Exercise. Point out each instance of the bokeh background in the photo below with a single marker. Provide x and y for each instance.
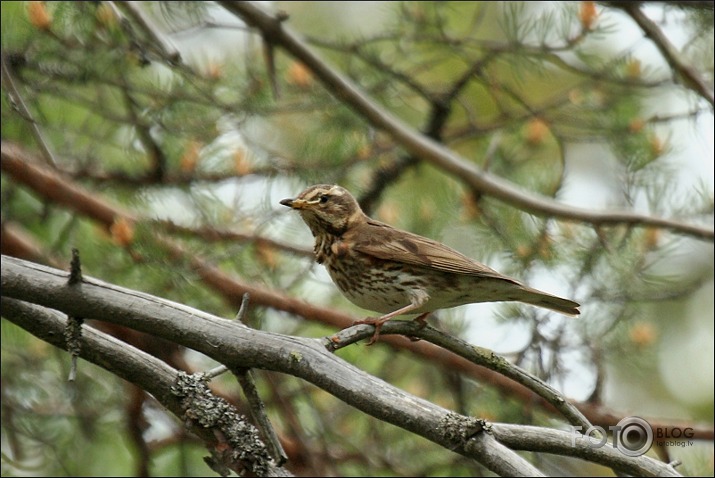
(189, 121)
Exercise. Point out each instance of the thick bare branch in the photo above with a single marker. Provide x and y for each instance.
(537, 439)
(151, 375)
(238, 346)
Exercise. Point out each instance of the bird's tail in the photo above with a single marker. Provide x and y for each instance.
(542, 299)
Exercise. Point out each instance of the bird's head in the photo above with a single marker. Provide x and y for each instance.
(327, 208)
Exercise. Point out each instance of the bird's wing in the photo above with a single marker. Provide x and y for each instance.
(385, 242)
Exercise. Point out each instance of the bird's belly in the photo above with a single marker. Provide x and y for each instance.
(392, 285)
(382, 289)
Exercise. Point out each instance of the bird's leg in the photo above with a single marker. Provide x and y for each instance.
(418, 299)
(422, 321)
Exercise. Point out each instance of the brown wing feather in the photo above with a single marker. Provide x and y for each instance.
(385, 242)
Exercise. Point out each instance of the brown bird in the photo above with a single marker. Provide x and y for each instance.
(395, 272)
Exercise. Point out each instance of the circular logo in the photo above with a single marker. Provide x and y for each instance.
(634, 435)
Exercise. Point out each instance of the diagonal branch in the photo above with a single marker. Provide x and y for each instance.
(431, 151)
(19, 104)
(167, 50)
(691, 77)
(477, 355)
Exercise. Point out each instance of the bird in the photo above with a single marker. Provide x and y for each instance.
(394, 272)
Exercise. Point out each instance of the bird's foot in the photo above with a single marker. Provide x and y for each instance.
(422, 321)
(378, 322)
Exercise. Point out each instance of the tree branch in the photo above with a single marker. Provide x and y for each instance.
(19, 104)
(538, 439)
(239, 347)
(23, 168)
(690, 76)
(428, 150)
(156, 377)
(477, 355)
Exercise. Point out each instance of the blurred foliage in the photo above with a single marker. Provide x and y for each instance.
(547, 96)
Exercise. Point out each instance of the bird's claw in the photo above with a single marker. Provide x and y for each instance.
(377, 322)
(422, 320)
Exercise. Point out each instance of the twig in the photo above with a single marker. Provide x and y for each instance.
(167, 49)
(477, 355)
(73, 331)
(244, 307)
(215, 372)
(19, 104)
(691, 77)
(258, 412)
(212, 234)
(255, 404)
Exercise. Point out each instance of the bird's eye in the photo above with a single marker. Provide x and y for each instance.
(324, 198)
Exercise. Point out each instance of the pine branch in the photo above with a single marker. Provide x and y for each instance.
(430, 151)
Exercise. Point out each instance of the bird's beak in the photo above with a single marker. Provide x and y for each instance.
(294, 203)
